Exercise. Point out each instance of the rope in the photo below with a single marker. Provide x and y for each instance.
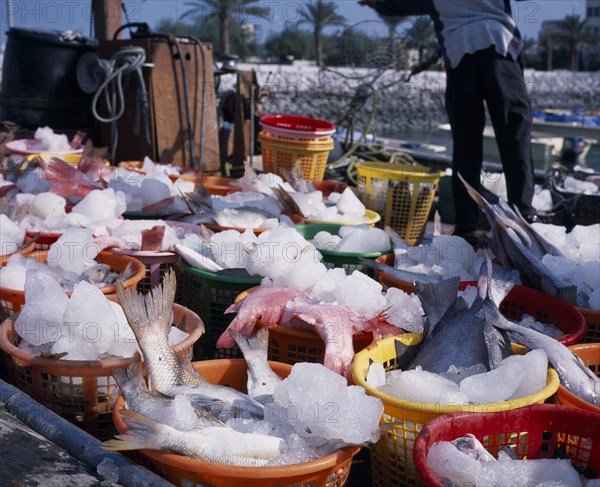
(124, 62)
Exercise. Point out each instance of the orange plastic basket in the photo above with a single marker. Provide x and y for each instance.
(592, 319)
(28, 247)
(279, 154)
(12, 300)
(80, 391)
(534, 432)
(329, 471)
(590, 354)
(521, 300)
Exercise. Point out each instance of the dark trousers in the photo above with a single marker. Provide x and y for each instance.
(486, 76)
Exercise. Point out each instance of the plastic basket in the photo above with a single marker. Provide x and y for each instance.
(156, 265)
(587, 206)
(519, 301)
(219, 186)
(209, 295)
(403, 193)
(75, 388)
(329, 471)
(349, 261)
(296, 220)
(12, 300)
(371, 219)
(592, 320)
(590, 354)
(28, 247)
(280, 154)
(534, 432)
(329, 186)
(391, 457)
(45, 240)
(294, 127)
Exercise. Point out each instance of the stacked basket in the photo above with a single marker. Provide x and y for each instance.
(289, 139)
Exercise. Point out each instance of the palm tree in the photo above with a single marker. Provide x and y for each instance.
(223, 10)
(392, 24)
(529, 44)
(421, 36)
(573, 32)
(320, 15)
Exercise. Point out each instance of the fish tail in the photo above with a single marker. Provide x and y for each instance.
(142, 432)
(152, 310)
(254, 345)
(130, 374)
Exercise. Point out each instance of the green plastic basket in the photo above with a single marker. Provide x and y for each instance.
(209, 295)
(349, 261)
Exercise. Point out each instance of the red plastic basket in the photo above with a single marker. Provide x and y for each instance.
(294, 127)
(535, 432)
(45, 240)
(521, 300)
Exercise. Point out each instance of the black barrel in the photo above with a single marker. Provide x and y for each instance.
(39, 82)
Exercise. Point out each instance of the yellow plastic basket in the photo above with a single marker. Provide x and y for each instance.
(391, 458)
(402, 193)
(279, 154)
(371, 219)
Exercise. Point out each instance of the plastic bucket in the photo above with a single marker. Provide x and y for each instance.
(39, 82)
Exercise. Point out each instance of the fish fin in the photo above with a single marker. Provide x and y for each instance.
(183, 356)
(153, 309)
(287, 202)
(436, 298)
(498, 344)
(123, 375)
(484, 283)
(142, 432)
(502, 282)
(234, 308)
(490, 312)
(259, 342)
(405, 354)
(397, 241)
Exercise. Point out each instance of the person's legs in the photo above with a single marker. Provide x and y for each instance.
(464, 105)
(510, 112)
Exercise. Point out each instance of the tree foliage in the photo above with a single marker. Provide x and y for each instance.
(289, 44)
(320, 14)
(226, 11)
(572, 32)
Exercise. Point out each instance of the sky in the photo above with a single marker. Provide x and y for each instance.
(75, 14)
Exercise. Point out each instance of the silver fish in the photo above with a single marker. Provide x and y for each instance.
(213, 444)
(261, 378)
(148, 317)
(573, 373)
(152, 403)
(517, 246)
(399, 273)
(196, 259)
(296, 179)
